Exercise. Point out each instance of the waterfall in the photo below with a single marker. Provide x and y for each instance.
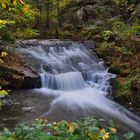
(64, 81)
(77, 79)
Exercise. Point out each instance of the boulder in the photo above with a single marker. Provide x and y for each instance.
(16, 73)
(86, 12)
(82, 15)
(90, 10)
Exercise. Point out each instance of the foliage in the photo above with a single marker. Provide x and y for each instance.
(123, 30)
(91, 29)
(2, 94)
(4, 23)
(15, 7)
(107, 34)
(129, 135)
(61, 3)
(113, 32)
(88, 129)
(13, 14)
(126, 7)
(124, 90)
(26, 33)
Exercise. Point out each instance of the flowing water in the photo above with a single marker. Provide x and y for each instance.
(75, 84)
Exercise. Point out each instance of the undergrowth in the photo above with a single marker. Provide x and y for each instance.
(87, 129)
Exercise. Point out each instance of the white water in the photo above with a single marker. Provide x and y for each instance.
(78, 81)
(64, 81)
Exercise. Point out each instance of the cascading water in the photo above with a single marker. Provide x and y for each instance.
(78, 81)
(66, 81)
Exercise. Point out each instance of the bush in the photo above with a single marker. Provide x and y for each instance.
(6, 37)
(26, 33)
(87, 129)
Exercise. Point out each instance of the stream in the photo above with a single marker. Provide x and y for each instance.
(75, 85)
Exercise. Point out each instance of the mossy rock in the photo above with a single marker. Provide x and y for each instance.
(127, 90)
(135, 91)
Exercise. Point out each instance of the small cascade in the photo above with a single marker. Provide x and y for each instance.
(64, 81)
(99, 80)
(77, 79)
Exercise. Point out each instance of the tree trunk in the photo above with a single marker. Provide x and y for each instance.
(58, 15)
(48, 15)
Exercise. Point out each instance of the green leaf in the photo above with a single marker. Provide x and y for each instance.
(7, 132)
(3, 5)
(129, 135)
(113, 138)
(94, 129)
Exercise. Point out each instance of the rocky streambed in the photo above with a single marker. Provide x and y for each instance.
(66, 80)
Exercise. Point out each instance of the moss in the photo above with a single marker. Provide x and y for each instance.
(127, 89)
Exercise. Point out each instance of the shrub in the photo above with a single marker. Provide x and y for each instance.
(87, 129)
(26, 33)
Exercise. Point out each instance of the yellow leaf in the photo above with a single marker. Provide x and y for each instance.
(21, 2)
(3, 54)
(72, 127)
(113, 130)
(3, 22)
(15, 2)
(1, 61)
(102, 131)
(26, 8)
(3, 5)
(105, 136)
(3, 92)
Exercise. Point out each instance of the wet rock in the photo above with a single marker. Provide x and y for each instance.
(15, 72)
(90, 11)
(27, 43)
(90, 44)
(6, 100)
(31, 82)
(2, 96)
(28, 109)
(82, 15)
(86, 12)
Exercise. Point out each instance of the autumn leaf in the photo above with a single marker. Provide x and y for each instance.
(3, 54)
